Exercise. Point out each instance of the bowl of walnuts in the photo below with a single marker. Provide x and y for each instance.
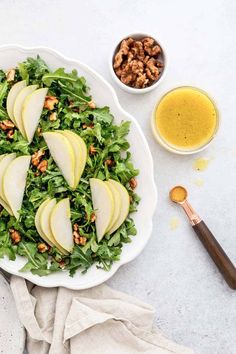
(138, 63)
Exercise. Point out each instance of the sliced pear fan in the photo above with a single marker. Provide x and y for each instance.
(63, 155)
(61, 225)
(4, 163)
(103, 204)
(14, 181)
(125, 203)
(14, 91)
(31, 112)
(44, 222)
(80, 153)
(117, 203)
(18, 105)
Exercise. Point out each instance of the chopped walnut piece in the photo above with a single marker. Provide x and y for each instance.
(15, 236)
(138, 50)
(130, 57)
(136, 66)
(127, 77)
(124, 49)
(82, 241)
(79, 240)
(62, 264)
(159, 64)
(42, 247)
(7, 125)
(150, 47)
(92, 150)
(91, 105)
(10, 134)
(42, 166)
(53, 116)
(39, 131)
(151, 70)
(109, 162)
(36, 157)
(146, 59)
(85, 126)
(93, 217)
(141, 81)
(71, 103)
(50, 102)
(10, 74)
(133, 183)
(76, 227)
(118, 71)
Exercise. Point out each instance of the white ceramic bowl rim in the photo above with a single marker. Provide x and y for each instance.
(146, 187)
(133, 89)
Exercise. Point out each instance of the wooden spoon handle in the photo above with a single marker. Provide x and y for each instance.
(217, 253)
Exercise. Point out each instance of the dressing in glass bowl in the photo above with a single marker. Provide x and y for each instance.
(185, 120)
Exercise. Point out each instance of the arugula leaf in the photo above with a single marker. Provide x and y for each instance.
(80, 259)
(3, 113)
(122, 130)
(2, 76)
(102, 115)
(6, 247)
(23, 72)
(37, 262)
(59, 74)
(3, 91)
(32, 70)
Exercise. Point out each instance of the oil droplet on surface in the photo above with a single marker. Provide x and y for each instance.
(198, 182)
(201, 164)
(174, 223)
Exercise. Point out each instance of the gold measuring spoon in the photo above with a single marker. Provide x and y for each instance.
(179, 195)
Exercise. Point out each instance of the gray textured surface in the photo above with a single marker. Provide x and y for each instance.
(193, 304)
(12, 334)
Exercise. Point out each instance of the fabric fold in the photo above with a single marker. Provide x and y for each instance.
(94, 321)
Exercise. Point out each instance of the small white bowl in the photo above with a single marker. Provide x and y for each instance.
(172, 148)
(133, 89)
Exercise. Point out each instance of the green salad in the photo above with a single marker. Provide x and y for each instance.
(68, 106)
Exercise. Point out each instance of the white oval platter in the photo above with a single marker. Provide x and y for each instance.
(104, 95)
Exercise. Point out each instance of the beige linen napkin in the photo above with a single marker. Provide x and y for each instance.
(94, 321)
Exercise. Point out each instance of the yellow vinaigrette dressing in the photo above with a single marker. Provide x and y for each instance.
(186, 118)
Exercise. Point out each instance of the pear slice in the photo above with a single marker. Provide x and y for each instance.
(63, 155)
(125, 202)
(37, 222)
(2, 156)
(44, 222)
(6, 206)
(4, 163)
(61, 225)
(117, 203)
(103, 204)
(14, 181)
(14, 91)
(80, 152)
(31, 112)
(18, 105)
